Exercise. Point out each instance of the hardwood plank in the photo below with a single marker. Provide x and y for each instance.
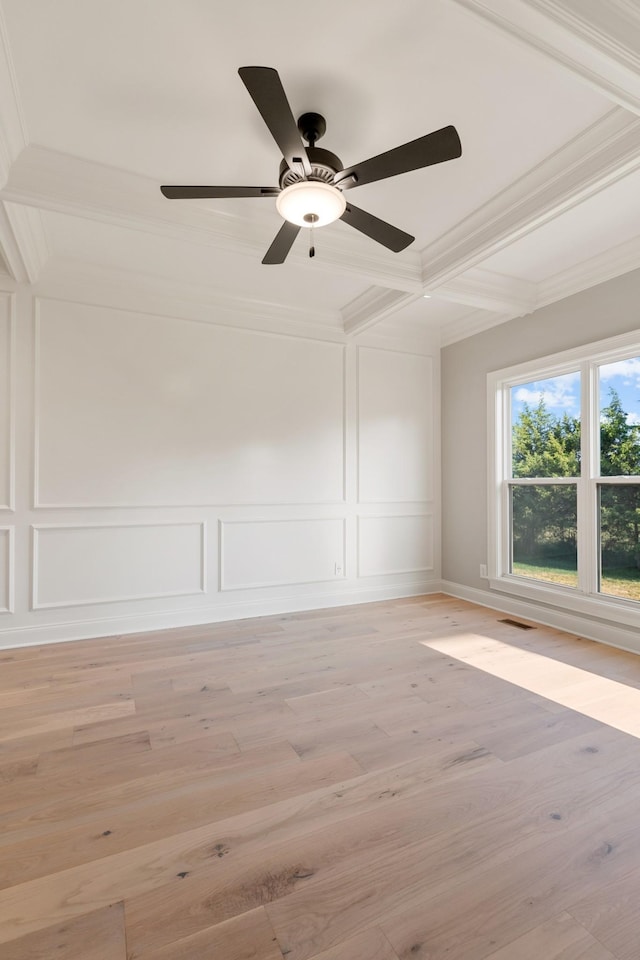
(132, 813)
(26, 905)
(248, 936)
(283, 854)
(611, 915)
(561, 938)
(497, 866)
(371, 944)
(65, 719)
(58, 796)
(114, 749)
(99, 935)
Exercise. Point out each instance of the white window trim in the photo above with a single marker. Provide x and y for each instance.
(582, 599)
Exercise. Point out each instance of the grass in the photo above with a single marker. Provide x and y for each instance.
(540, 571)
(622, 582)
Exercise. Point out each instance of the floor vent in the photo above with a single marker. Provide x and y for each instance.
(516, 623)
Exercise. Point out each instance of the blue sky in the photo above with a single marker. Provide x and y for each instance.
(562, 394)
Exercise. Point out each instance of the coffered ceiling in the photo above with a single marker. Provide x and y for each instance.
(100, 103)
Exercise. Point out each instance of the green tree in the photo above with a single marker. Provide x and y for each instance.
(544, 517)
(619, 505)
(619, 446)
(544, 445)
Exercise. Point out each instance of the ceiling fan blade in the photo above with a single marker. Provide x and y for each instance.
(435, 147)
(377, 229)
(203, 193)
(267, 92)
(277, 252)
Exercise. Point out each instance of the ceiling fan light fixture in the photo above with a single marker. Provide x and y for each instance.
(311, 203)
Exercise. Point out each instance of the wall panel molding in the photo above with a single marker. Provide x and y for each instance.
(315, 378)
(7, 567)
(406, 541)
(281, 552)
(395, 426)
(8, 400)
(108, 555)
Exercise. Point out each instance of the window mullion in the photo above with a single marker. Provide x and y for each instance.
(587, 548)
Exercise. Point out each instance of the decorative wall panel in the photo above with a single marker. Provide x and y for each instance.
(109, 563)
(136, 410)
(277, 552)
(395, 426)
(388, 545)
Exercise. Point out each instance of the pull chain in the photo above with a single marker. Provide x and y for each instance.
(311, 219)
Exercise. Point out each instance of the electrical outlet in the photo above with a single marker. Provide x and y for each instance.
(483, 572)
(338, 569)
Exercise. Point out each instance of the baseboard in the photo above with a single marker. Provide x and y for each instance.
(586, 627)
(61, 632)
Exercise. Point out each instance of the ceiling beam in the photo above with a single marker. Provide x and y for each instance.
(61, 183)
(588, 37)
(604, 153)
(491, 291)
(373, 306)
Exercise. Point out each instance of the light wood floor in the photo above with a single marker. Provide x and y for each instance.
(411, 780)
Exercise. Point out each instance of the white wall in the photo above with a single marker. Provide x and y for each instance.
(174, 469)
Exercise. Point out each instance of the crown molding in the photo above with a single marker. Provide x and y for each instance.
(491, 291)
(10, 250)
(587, 37)
(601, 155)
(29, 232)
(7, 283)
(468, 326)
(373, 306)
(65, 278)
(605, 266)
(65, 184)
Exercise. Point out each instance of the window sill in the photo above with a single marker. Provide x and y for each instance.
(624, 612)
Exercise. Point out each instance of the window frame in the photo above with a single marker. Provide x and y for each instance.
(584, 598)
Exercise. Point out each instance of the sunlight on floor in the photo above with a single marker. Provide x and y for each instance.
(598, 697)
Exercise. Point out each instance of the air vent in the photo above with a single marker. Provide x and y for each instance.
(516, 623)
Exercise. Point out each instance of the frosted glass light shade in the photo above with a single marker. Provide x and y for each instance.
(311, 203)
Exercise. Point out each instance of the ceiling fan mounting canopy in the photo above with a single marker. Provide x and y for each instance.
(312, 126)
(312, 180)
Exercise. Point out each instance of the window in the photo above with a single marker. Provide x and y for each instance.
(564, 486)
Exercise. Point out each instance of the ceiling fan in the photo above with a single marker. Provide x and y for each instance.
(312, 180)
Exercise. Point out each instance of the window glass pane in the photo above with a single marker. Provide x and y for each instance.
(545, 427)
(620, 418)
(543, 533)
(620, 541)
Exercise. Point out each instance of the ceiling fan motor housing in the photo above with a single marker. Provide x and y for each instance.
(324, 166)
